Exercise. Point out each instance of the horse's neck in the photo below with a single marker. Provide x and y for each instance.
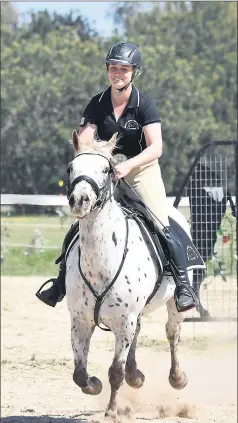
(102, 242)
(100, 228)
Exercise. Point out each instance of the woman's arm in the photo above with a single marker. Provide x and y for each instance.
(87, 132)
(153, 137)
(153, 151)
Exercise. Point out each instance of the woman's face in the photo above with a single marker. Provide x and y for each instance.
(119, 75)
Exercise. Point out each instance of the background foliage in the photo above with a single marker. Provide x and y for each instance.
(54, 64)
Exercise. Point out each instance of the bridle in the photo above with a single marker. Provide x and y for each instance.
(101, 193)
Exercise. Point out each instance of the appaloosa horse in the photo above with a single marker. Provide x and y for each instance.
(111, 272)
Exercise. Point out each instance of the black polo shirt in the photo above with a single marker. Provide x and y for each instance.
(140, 111)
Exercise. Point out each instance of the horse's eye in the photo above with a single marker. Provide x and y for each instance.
(106, 170)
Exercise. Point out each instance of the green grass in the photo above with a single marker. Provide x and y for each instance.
(25, 261)
(16, 263)
(20, 230)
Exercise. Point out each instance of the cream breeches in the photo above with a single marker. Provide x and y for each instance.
(148, 183)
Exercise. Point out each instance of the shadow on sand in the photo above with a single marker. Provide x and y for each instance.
(48, 419)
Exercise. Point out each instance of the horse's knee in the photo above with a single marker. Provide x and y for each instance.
(116, 374)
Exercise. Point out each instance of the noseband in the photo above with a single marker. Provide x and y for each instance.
(100, 192)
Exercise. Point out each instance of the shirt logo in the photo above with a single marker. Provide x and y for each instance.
(82, 122)
(132, 124)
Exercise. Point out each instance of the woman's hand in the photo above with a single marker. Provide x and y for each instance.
(122, 169)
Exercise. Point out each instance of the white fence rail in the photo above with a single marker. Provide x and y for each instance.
(58, 200)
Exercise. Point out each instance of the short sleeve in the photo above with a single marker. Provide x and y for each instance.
(148, 113)
(89, 114)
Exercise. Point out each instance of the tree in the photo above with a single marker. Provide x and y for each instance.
(42, 23)
(45, 87)
(9, 15)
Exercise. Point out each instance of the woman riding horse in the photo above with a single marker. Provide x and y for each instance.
(124, 109)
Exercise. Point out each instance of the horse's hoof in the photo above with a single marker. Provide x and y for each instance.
(178, 382)
(111, 416)
(94, 387)
(135, 379)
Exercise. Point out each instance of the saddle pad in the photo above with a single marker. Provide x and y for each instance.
(194, 260)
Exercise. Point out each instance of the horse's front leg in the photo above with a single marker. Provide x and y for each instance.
(134, 377)
(124, 333)
(81, 332)
(177, 378)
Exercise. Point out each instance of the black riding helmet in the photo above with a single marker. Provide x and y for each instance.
(125, 54)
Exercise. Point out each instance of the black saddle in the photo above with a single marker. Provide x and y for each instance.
(133, 205)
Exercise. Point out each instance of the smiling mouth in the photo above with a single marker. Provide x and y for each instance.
(117, 80)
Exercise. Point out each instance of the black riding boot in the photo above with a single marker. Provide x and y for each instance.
(56, 292)
(184, 295)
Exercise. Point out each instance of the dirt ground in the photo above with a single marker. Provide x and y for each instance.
(37, 366)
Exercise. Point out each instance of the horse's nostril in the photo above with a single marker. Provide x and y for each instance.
(71, 200)
(86, 198)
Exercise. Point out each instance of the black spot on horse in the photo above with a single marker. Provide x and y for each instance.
(129, 290)
(119, 300)
(132, 323)
(145, 275)
(117, 304)
(137, 299)
(127, 345)
(90, 273)
(140, 238)
(114, 238)
(111, 305)
(126, 304)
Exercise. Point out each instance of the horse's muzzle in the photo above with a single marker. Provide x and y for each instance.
(81, 205)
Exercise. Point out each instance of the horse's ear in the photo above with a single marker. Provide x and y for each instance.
(75, 140)
(112, 142)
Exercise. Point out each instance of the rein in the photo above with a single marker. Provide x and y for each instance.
(101, 297)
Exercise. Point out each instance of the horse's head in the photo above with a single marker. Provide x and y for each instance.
(89, 175)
